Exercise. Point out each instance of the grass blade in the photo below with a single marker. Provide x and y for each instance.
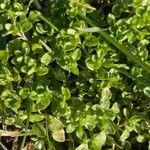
(134, 58)
(47, 21)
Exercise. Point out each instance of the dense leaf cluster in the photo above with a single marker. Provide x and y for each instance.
(75, 74)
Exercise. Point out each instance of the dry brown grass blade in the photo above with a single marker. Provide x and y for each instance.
(29, 146)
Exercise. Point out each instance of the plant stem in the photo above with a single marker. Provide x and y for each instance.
(47, 21)
(29, 107)
(122, 71)
(50, 145)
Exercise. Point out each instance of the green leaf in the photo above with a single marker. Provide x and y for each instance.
(43, 101)
(90, 122)
(76, 54)
(110, 115)
(41, 71)
(40, 28)
(33, 16)
(101, 74)
(71, 31)
(24, 92)
(36, 117)
(127, 145)
(18, 6)
(111, 19)
(70, 128)
(46, 58)
(73, 67)
(91, 41)
(123, 49)
(25, 48)
(82, 147)
(3, 55)
(140, 138)
(59, 74)
(65, 93)
(12, 103)
(106, 92)
(115, 108)
(31, 71)
(125, 135)
(69, 46)
(33, 95)
(37, 48)
(39, 144)
(59, 135)
(134, 122)
(3, 5)
(117, 10)
(147, 91)
(14, 45)
(80, 68)
(54, 124)
(93, 63)
(126, 112)
(140, 11)
(26, 26)
(1, 27)
(80, 132)
(98, 141)
(106, 96)
(39, 130)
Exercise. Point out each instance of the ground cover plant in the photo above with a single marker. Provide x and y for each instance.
(74, 74)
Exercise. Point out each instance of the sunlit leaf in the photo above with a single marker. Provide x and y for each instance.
(125, 135)
(43, 101)
(147, 91)
(76, 54)
(91, 41)
(140, 138)
(41, 71)
(59, 135)
(46, 58)
(82, 147)
(36, 117)
(26, 26)
(39, 130)
(65, 93)
(98, 140)
(70, 128)
(3, 55)
(55, 124)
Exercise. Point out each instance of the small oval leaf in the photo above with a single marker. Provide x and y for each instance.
(91, 41)
(59, 135)
(46, 58)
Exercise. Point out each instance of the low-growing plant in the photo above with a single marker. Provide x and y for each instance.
(74, 74)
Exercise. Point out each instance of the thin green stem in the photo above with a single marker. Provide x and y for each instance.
(122, 71)
(47, 21)
(29, 107)
(50, 145)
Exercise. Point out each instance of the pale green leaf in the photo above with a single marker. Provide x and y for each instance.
(54, 124)
(46, 58)
(98, 141)
(82, 147)
(59, 135)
